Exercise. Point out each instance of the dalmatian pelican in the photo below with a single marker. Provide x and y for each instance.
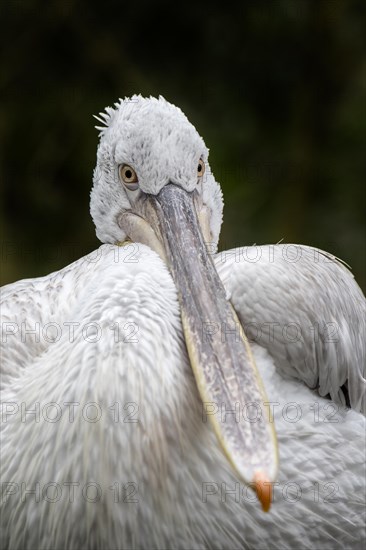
(157, 394)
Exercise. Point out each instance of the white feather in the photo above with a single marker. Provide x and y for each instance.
(163, 481)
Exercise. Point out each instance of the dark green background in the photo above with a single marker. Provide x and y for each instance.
(276, 88)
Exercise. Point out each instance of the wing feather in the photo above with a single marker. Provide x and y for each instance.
(304, 306)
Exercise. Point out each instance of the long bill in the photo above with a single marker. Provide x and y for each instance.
(227, 378)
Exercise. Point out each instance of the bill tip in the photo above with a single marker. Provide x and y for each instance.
(263, 489)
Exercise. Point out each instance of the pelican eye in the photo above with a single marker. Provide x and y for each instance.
(200, 168)
(129, 177)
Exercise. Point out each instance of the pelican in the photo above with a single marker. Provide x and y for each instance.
(158, 394)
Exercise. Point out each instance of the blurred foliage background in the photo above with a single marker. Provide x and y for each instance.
(275, 87)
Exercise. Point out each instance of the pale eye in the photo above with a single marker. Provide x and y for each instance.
(200, 168)
(129, 177)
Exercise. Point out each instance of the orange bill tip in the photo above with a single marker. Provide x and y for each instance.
(263, 489)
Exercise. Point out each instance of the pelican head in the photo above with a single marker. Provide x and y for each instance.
(153, 185)
(158, 142)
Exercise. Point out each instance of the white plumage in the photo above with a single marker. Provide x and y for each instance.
(111, 350)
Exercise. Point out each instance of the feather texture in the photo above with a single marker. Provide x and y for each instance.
(105, 442)
(170, 461)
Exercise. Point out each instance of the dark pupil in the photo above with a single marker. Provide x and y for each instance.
(200, 167)
(128, 174)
